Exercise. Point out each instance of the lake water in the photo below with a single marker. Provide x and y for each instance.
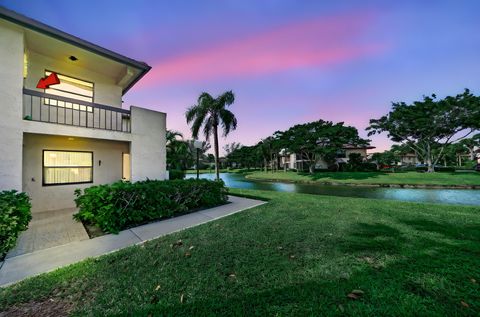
(443, 196)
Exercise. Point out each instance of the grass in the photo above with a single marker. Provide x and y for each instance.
(297, 255)
(380, 178)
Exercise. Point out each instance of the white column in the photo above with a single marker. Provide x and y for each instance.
(148, 147)
(11, 105)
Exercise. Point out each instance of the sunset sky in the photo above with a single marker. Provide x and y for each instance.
(287, 61)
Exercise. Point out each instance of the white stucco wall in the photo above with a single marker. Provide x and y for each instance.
(61, 196)
(105, 89)
(148, 147)
(23, 141)
(11, 84)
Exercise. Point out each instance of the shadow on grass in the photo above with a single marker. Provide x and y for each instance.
(366, 237)
(467, 232)
(423, 279)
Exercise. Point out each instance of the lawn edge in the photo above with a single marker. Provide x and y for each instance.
(433, 186)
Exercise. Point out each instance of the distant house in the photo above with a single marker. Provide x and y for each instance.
(409, 159)
(297, 162)
(413, 159)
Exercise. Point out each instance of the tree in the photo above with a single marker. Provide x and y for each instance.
(319, 139)
(209, 113)
(230, 147)
(386, 158)
(177, 150)
(452, 154)
(268, 149)
(246, 156)
(430, 125)
(471, 144)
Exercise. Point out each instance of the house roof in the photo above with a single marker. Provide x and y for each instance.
(356, 147)
(40, 27)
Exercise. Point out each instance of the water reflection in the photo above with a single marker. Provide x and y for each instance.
(444, 196)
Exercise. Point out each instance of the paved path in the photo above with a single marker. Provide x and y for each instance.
(49, 229)
(16, 268)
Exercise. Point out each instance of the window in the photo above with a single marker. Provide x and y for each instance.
(70, 87)
(67, 167)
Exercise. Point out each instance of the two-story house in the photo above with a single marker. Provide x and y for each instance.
(62, 122)
(295, 160)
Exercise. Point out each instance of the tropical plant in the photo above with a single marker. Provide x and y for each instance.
(209, 113)
(14, 218)
(430, 125)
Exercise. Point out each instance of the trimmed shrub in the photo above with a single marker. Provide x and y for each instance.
(121, 205)
(176, 174)
(14, 218)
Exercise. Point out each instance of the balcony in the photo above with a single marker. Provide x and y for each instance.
(42, 107)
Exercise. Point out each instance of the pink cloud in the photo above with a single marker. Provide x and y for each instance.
(319, 42)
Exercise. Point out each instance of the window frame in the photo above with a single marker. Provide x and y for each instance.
(73, 93)
(72, 183)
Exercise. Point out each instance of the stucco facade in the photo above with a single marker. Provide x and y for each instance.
(123, 141)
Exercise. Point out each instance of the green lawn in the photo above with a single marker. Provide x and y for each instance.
(405, 178)
(297, 255)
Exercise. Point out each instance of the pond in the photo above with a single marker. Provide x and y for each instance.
(443, 196)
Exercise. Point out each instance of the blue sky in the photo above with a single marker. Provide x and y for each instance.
(287, 61)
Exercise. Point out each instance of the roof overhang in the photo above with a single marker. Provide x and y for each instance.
(57, 34)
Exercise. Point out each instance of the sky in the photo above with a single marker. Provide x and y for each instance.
(287, 61)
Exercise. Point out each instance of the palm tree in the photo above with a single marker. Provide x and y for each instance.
(177, 150)
(171, 136)
(211, 112)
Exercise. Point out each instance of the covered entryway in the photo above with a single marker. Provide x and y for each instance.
(55, 166)
(49, 229)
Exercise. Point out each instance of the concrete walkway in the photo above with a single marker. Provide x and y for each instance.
(16, 268)
(49, 229)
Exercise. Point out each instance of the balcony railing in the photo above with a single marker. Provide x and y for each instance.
(39, 106)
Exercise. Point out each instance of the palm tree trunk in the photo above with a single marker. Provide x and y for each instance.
(215, 145)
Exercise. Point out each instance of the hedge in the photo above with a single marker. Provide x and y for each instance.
(15, 215)
(121, 205)
(176, 174)
(447, 169)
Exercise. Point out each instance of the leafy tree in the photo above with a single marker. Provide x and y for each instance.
(430, 125)
(355, 162)
(210, 113)
(230, 147)
(246, 156)
(452, 153)
(471, 144)
(386, 158)
(319, 139)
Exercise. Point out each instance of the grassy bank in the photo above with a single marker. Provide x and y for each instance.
(297, 255)
(223, 170)
(403, 178)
